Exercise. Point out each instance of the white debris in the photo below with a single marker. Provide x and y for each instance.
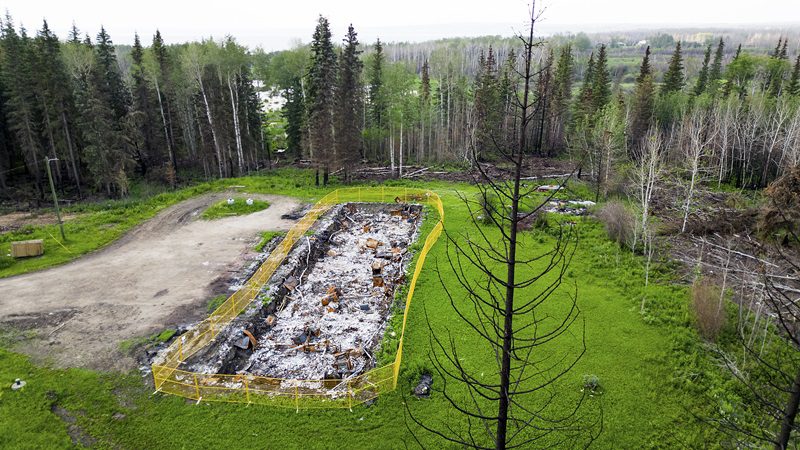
(17, 385)
(549, 188)
(327, 306)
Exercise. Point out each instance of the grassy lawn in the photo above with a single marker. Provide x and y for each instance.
(652, 366)
(238, 208)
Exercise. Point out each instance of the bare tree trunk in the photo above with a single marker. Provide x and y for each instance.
(171, 152)
(789, 414)
(400, 154)
(211, 125)
(237, 132)
(73, 163)
(391, 149)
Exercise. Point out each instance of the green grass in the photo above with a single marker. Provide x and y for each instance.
(129, 345)
(101, 223)
(214, 303)
(266, 237)
(238, 208)
(654, 371)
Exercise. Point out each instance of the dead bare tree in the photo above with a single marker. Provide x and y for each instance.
(697, 137)
(508, 294)
(647, 173)
(768, 332)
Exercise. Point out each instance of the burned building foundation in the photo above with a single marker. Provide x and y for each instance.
(323, 314)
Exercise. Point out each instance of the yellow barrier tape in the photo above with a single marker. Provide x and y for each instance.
(263, 390)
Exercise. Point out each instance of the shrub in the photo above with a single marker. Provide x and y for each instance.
(619, 223)
(592, 384)
(6, 261)
(708, 309)
(489, 207)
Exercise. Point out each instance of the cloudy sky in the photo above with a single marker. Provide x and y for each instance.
(278, 24)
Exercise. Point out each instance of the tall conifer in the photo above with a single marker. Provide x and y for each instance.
(321, 98)
(673, 78)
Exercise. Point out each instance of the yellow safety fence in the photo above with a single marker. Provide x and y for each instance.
(296, 394)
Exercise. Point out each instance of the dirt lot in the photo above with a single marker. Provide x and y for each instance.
(16, 220)
(158, 276)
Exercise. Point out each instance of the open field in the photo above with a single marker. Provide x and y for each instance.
(652, 367)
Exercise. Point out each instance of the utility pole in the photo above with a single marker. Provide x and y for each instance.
(55, 197)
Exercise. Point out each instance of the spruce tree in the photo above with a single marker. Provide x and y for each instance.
(776, 53)
(295, 113)
(702, 77)
(642, 105)
(601, 83)
(673, 77)
(715, 73)
(21, 113)
(794, 82)
(350, 103)
(74, 35)
(585, 100)
(377, 98)
(645, 70)
(56, 102)
(110, 77)
(321, 97)
(143, 113)
(425, 80)
(104, 107)
(562, 95)
(165, 96)
(487, 105)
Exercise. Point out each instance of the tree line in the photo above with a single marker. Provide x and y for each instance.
(191, 110)
(177, 111)
(429, 108)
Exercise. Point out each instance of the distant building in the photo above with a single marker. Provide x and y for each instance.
(272, 100)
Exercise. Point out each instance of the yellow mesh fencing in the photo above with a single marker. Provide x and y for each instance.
(245, 388)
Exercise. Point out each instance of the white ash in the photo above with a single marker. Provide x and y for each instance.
(349, 335)
(352, 327)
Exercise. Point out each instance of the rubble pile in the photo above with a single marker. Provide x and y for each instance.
(325, 310)
(569, 207)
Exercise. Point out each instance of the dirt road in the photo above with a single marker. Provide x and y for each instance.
(157, 276)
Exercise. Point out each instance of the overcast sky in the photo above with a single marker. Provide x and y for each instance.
(278, 24)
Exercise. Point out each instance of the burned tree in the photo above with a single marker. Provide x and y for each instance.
(768, 334)
(507, 293)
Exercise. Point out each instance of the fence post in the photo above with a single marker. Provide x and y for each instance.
(180, 348)
(350, 397)
(296, 401)
(247, 389)
(196, 387)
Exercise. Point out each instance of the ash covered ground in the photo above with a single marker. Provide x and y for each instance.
(325, 310)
